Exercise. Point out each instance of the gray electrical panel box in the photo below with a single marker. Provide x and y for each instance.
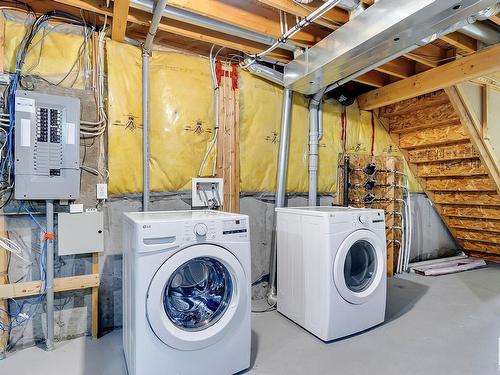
(47, 146)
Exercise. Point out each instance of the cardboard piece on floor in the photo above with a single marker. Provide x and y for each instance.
(452, 266)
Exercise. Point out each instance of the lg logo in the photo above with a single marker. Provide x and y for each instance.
(146, 226)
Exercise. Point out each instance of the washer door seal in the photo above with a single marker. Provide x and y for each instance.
(196, 296)
(359, 266)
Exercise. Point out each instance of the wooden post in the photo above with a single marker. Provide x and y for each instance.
(228, 140)
(95, 297)
(4, 279)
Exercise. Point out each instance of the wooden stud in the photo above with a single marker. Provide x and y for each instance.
(485, 112)
(433, 136)
(95, 296)
(228, 141)
(452, 168)
(4, 279)
(472, 212)
(119, 25)
(464, 69)
(460, 184)
(61, 284)
(2, 39)
(470, 122)
(443, 153)
(483, 199)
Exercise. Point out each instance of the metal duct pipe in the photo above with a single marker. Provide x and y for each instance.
(480, 31)
(265, 72)
(208, 23)
(286, 121)
(146, 53)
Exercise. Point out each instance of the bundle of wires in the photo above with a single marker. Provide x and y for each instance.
(25, 310)
(39, 23)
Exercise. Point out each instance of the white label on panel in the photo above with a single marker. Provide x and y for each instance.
(70, 133)
(25, 132)
(25, 105)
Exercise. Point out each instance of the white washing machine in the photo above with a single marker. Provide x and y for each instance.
(331, 268)
(186, 293)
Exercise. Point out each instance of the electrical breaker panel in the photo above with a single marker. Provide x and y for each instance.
(47, 146)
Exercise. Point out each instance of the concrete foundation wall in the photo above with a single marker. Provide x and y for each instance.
(430, 239)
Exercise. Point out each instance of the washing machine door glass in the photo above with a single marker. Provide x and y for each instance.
(197, 296)
(198, 293)
(359, 266)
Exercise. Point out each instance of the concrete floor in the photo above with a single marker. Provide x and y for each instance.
(442, 325)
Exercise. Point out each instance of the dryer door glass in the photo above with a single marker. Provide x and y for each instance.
(198, 293)
(360, 266)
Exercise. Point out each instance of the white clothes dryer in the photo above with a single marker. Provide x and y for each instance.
(186, 293)
(331, 268)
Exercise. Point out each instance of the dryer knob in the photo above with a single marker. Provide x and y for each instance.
(363, 219)
(200, 230)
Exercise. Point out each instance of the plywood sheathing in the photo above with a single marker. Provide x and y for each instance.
(438, 140)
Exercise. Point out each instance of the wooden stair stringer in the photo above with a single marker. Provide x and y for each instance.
(454, 172)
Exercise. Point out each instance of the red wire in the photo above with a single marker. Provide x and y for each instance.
(344, 128)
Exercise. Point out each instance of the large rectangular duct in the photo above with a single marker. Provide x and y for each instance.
(384, 31)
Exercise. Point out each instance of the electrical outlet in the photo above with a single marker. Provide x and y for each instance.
(207, 192)
(102, 191)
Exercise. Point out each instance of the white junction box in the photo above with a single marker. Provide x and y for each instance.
(207, 192)
(80, 233)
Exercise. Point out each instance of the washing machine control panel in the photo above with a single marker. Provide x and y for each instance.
(213, 230)
(236, 226)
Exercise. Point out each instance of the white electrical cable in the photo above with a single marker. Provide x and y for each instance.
(294, 30)
(213, 143)
(15, 249)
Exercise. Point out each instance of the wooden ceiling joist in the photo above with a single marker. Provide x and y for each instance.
(460, 41)
(331, 19)
(467, 68)
(119, 25)
(247, 15)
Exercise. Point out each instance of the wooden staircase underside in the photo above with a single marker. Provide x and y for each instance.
(445, 147)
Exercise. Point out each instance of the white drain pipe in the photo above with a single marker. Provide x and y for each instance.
(314, 137)
(146, 54)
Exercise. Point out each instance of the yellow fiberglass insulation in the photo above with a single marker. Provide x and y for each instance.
(46, 58)
(182, 125)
